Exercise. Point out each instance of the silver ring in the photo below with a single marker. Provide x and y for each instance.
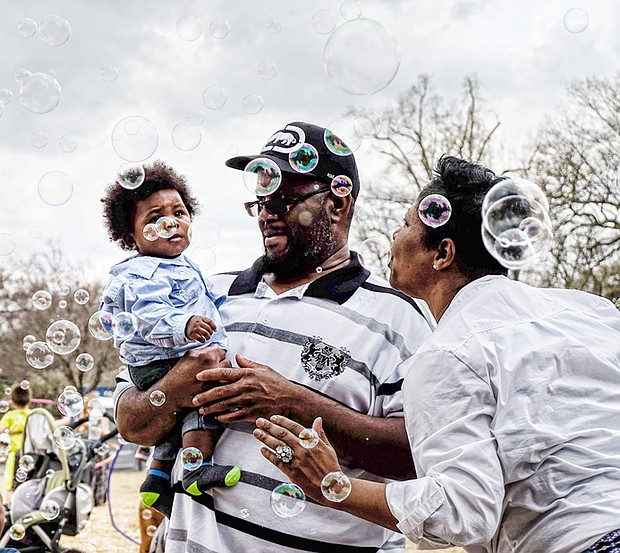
(284, 453)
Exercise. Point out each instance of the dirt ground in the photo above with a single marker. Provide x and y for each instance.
(100, 535)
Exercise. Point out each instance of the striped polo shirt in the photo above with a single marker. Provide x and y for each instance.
(346, 335)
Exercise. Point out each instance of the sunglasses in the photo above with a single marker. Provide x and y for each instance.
(281, 205)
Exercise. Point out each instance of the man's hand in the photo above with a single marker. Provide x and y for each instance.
(245, 393)
(200, 328)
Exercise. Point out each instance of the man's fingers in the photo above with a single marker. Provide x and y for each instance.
(227, 374)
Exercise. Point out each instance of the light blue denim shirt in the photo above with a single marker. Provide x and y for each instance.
(162, 294)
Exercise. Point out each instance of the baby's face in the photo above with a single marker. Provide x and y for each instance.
(163, 203)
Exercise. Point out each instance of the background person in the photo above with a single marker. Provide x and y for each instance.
(512, 405)
(175, 311)
(13, 422)
(314, 333)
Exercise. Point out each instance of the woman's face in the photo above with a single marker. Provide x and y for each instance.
(411, 263)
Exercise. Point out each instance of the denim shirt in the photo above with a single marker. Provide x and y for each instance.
(163, 294)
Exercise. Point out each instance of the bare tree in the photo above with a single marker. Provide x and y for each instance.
(576, 159)
(415, 133)
(19, 319)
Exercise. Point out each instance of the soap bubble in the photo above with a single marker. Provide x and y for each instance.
(5, 439)
(109, 73)
(49, 509)
(70, 403)
(304, 159)
(130, 175)
(126, 325)
(150, 232)
(404, 140)
(262, 176)
(166, 227)
(63, 337)
(214, 96)
(434, 210)
(17, 532)
(4, 406)
(39, 355)
(374, 253)
(39, 138)
(55, 188)
(26, 462)
(308, 438)
(101, 325)
(367, 123)
(191, 458)
(361, 57)
(576, 20)
(81, 296)
(40, 93)
(273, 26)
(64, 437)
(219, 28)
(68, 143)
(189, 27)
(341, 186)
(336, 486)
(157, 398)
(186, 136)
(135, 138)
(7, 244)
(342, 137)
(204, 257)
(252, 104)
(6, 96)
(323, 22)
(267, 70)
(54, 30)
(84, 362)
(28, 339)
(288, 500)
(350, 9)
(27, 27)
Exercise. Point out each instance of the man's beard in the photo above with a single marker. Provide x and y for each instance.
(310, 247)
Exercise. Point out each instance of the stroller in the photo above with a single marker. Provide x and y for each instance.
(56, 497)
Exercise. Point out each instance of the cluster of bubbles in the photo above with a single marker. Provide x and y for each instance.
(190, 27)
(53, 30)
(516, 228)
(164, 227)
(62, 337)
(262, 176)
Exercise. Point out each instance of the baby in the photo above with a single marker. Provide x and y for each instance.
(174, 309)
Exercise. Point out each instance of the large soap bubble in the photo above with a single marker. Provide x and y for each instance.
(55, 188)
(361, 57)
(54, 30)
(63, 337)
(516, 228)
(40, 93)
(135, 138)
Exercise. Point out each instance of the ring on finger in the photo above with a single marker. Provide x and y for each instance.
(284, 453)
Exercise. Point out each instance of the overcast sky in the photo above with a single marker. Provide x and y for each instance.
(154, 59)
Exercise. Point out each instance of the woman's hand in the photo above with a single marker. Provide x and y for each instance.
(308, 466)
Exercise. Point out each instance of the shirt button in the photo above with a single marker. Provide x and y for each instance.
(275, 301)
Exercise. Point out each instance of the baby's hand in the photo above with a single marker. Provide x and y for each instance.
(199, 328)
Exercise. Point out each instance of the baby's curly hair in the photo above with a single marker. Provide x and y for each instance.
(119, 203)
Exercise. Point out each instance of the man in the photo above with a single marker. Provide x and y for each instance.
(312, 333)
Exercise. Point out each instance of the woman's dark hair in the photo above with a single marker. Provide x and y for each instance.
(464, 184)
(119, 203)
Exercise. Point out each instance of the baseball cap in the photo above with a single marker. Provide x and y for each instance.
(304, 148)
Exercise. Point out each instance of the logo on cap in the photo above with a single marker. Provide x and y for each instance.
(286, 140)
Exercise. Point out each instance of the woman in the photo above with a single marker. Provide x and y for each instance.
(512, 406)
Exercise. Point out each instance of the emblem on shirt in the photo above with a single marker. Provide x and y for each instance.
(322, 361)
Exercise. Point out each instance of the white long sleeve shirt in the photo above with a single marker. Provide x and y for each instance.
(512, 409)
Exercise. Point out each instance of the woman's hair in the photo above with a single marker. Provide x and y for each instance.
(20, 396)
(119, 203)
(464, 184)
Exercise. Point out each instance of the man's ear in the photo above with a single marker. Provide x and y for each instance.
(446, 252)
(339, 207)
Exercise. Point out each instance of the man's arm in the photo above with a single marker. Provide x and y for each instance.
(378, 445)
(139, 421)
